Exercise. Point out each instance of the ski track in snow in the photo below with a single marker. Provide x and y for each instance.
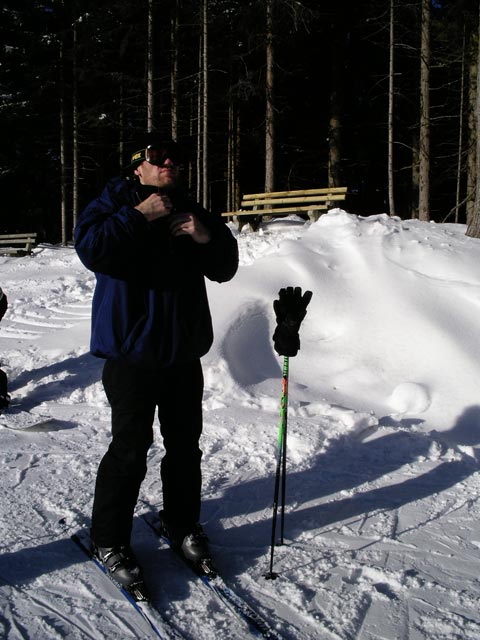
(382, 534)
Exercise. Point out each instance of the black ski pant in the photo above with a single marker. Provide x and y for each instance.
(3, 383)
(134, 394)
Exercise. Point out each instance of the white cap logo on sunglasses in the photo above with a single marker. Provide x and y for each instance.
(157, 155)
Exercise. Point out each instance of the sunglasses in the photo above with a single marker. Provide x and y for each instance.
(157, 155)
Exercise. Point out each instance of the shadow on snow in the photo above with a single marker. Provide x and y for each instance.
(348, 464)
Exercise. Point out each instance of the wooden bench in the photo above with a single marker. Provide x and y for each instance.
(17, 243)
(308, 202)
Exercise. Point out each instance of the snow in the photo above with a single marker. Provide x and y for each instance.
(381, 528)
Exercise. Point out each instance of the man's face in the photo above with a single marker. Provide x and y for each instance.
(163, 177)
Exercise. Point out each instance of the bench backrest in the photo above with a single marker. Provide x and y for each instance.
(281, 203)
(303, 195)
(289, 201)
(17, 242)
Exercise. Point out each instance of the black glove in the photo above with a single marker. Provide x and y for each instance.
(3, 304)
(290, 309)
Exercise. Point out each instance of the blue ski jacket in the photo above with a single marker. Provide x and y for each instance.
(150, 306)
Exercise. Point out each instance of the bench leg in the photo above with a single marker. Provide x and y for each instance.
(253, 222)
(239, 222)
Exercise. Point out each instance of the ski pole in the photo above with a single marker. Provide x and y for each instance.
(281, 467)
(290, 309)
(284, 417)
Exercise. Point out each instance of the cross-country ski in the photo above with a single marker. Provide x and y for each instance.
(208, 573)
(159, 625)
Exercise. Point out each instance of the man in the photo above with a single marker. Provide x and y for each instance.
(151, 247)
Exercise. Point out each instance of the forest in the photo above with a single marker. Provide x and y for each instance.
(262, 95)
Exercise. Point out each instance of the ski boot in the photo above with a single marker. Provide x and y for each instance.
(191, 543)
(122, 568)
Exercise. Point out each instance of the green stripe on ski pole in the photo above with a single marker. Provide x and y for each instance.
(284, 401)
(281, 453)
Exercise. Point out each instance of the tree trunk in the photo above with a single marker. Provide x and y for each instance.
(199, 121)
(460, 133)
(75, 151)
(269, 114)
(336, 104)
(415, 178)
(233, 158)
(471, 124)
(191, 132)
(63, 163)
(150, 94)
(236, 164)
(424, 168)
(205, 194)
(121, 124)
(473, 229)
(391, 199)
(230, 155)
(174, 71)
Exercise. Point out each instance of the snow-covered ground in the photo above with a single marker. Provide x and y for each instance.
(382, 516)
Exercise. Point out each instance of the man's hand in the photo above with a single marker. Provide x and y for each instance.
(157, 205)
(187, 224)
